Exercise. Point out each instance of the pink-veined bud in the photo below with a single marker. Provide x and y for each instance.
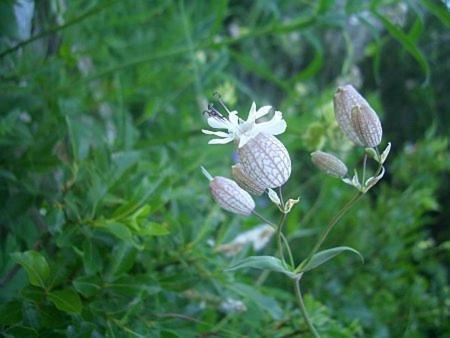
(231, 197)
(329, 164)
(363, 129)
(266, 161)
(245, 182)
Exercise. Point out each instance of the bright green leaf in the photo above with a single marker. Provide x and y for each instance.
(35, 265)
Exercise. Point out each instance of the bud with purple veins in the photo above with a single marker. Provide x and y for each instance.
(266, 161)
(367, 125)
(329, 163)
(245, 182)
(229, 195)
(362, 127)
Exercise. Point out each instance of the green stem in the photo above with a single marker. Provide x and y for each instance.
(302, 306)
(279, 233)
(329, 227)
(283, 238)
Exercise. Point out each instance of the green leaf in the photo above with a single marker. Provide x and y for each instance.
(119, 230)
(35, 265)
(87, 285)
(265, 303)
(10, 313)
(408, 43)
(92, 260)
(262, 262)
(66, 300)
(438, 10)
(154, 229)
(325, 255)
(122, 259)
(316, 63)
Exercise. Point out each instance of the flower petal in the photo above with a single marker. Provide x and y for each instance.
(216, 133)
(252, 113)
(233, 117)
(263, 111)
(218, 123)
(221, 140)
(275, 126)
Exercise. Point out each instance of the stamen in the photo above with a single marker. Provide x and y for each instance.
(219, 98)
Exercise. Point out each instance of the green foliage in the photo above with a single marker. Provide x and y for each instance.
(106, 223)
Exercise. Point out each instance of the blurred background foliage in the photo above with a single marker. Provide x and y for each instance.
(107, 227)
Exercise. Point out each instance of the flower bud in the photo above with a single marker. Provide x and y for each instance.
(266, 161)
(231, 197)
(363, 129)
(367, 126)
(329, 163)
(245, 182)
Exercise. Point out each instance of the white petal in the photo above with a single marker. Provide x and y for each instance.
(263, 111)
(218, 123)
(216, 133)
(220, 140)
(275, 126)
(252, 113)
(233, 117)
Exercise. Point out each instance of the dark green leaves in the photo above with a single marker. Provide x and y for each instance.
(66, 300)
(35, 265)
(262, 263)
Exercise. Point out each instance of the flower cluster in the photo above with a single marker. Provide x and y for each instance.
(360, 123)
(264, 161)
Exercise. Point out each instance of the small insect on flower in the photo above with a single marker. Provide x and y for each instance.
(229, 195)
(356, 118)
(329, 164)
(242, 131)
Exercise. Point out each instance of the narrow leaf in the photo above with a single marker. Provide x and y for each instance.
(325, 255)
(407, 43)
(263, 263)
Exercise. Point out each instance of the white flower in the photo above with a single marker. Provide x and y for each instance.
(240, 130)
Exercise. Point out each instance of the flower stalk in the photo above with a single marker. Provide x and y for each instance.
(301, 304)
(264, 164)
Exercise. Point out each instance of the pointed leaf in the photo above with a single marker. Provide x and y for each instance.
(325, 255)
(263, 263)
(66, 300)
(35, 265)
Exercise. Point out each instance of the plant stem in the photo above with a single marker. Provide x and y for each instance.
(279, 233)
(330, 226)
(302, 306)
(283, 238)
